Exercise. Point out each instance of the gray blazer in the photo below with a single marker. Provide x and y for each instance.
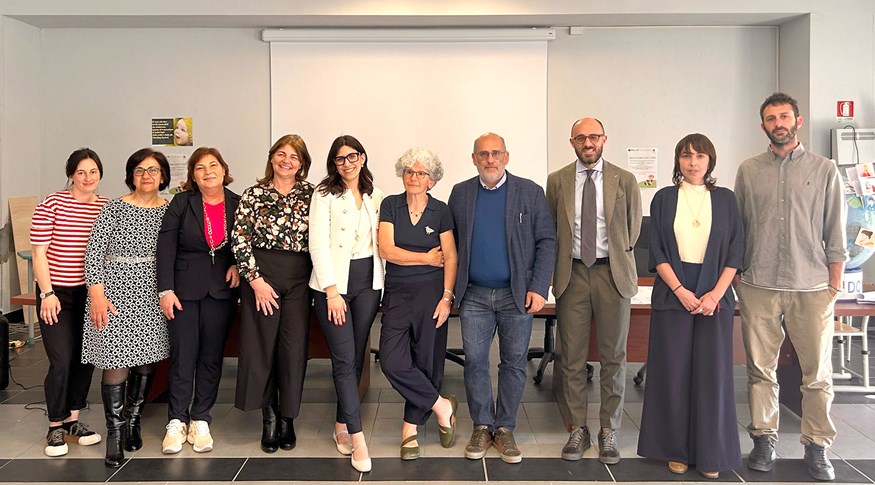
(531, 236)
(622, 207)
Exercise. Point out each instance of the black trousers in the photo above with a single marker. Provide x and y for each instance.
(197, 345)
(412, 351)
(348, 343)
(273, 348)
(68, 379)
(689, 400)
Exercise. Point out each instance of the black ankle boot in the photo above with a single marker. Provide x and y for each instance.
(288, 440)
(138, 386)
(113, 406)
(270, 430)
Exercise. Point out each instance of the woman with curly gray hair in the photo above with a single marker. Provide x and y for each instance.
(416, 240)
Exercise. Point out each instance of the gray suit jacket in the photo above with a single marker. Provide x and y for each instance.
(622, 207)
(531, 236)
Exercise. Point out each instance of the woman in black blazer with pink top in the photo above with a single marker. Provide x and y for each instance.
(197, 287)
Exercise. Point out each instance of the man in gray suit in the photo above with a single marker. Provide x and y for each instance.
(597, 208)
(507, 248)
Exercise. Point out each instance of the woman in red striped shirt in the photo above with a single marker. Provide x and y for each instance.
(58, 236)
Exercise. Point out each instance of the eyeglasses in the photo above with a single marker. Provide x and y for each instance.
(351, 158)
(594, 138)
(412, 173)
(484, 155)
(140, 171)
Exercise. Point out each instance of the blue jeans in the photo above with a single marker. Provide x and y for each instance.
(484, 311)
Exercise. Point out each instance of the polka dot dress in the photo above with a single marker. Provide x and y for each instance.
(121, 255)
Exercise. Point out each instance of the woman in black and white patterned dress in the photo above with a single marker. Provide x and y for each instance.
(125, 332)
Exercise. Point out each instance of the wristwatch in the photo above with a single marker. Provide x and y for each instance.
(46, 294)
(162, 293)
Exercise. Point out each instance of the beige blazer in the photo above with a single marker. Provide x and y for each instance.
(333, 221)
(622, 207)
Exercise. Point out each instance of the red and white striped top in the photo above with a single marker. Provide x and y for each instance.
(64, 224)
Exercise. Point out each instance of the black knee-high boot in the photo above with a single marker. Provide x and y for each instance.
(138, 386)
(113, 405)
(270, 429)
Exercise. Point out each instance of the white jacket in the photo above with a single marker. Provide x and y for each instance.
(333, 222)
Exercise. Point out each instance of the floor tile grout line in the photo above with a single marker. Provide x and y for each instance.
(613, 478)
(858, 471)
(128, 460)
(242, 465)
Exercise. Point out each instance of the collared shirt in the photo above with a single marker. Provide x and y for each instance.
(499, 184)
(267, 219)
(794, 219)
(598, 176)
(419, 238)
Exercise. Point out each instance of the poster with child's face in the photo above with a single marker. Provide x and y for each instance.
(865, 238)
(173, 132)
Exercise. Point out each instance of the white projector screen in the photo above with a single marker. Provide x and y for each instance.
(395, 96)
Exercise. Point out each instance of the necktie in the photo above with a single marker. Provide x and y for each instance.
(587, 221)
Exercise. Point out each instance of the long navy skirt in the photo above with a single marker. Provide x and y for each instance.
(689, 400)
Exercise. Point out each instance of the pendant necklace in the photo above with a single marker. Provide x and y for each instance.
(696, 222)
(211, 242)
(418, 213)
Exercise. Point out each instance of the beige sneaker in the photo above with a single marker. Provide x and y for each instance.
(175, 437)
(199, 436)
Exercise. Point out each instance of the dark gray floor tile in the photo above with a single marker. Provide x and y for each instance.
(9, 393)
(787, 470)
(55, 470)
(26, 397)
(201, 469)
(425, 469)
(865, 466)
(547, 469)
(298, 469)
(644, 470)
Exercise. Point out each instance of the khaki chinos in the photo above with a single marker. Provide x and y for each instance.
(808, 318)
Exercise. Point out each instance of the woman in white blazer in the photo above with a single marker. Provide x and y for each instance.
(347, 278)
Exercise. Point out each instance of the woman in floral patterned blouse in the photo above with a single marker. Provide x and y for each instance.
(271, 248)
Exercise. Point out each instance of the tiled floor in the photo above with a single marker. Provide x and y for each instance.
(540, 434)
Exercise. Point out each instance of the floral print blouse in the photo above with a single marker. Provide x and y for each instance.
(267, 219)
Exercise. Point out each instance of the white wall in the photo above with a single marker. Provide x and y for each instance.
(103, 86)
(648, 85)
(21, 139)
(652, 86)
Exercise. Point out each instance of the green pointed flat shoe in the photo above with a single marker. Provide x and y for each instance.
(410, 452)
(448, 433)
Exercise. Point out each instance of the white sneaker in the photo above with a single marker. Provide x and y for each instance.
(175, 437)
(199, 436)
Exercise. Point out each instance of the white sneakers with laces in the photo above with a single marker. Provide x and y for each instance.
(199, 436)
(175, 436)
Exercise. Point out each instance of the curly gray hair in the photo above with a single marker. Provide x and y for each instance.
(426, 157)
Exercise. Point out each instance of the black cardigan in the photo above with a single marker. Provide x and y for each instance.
(725, 246)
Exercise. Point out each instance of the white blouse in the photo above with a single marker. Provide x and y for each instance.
(692, 222)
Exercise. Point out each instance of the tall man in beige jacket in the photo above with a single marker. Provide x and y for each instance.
(597, 208)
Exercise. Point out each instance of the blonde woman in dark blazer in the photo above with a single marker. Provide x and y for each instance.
(348, 280)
